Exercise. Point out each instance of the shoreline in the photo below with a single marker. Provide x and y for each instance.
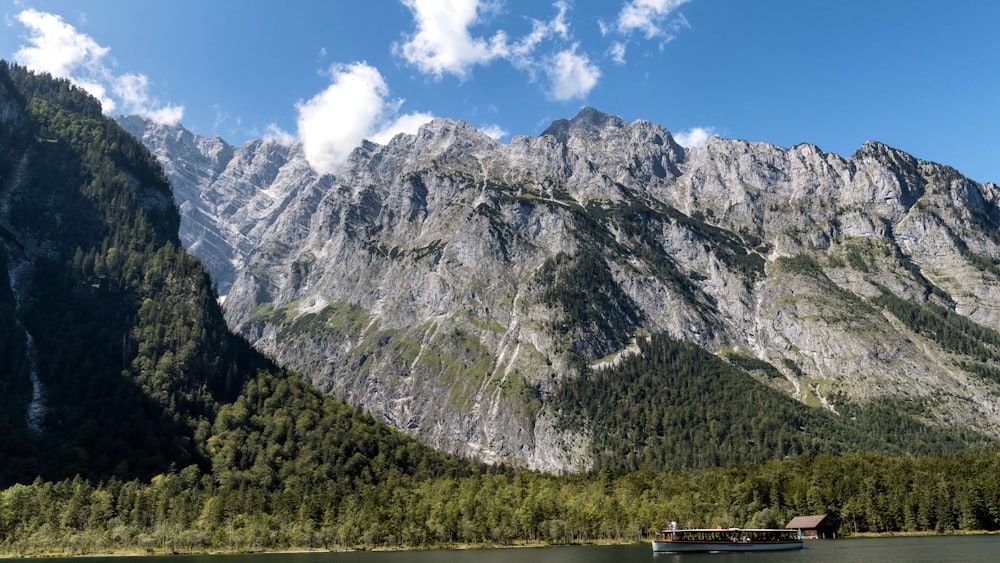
(293, 550)
(443, 547)
(921, 534)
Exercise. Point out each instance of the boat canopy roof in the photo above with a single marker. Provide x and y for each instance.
(728, 530)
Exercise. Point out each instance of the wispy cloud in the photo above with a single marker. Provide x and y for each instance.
(407, 123)
(443, 43)
(653, 18)
(279, 135)
(494, 131)
(355, 106)
(58, 48)
(523, 51)
(617, 52)
(694, 137)
(133, 91)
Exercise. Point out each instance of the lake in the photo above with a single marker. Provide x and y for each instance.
(880, 550)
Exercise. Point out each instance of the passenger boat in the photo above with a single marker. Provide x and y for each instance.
(726, 539)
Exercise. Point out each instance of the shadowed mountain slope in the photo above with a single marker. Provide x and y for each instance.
(117, 359)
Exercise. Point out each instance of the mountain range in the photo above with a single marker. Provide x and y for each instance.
(132, 418)
(465, 290)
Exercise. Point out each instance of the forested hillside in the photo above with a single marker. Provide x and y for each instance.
(673, 405)
(126, 350)
(117, 361)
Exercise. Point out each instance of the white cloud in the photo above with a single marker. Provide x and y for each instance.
(558, 24)
(56, 47)
(133, 91)
(652, 18)
(494, 131)
(279, 135)
(221, 116)
(167, 115)
(617, 52)
(443, 44)
(407, 123)
(521, 54)
(571, 75)
(97, 90)
(354, 107)
(334, 121)
(694, 137)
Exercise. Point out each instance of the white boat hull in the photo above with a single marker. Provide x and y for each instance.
(696, 546)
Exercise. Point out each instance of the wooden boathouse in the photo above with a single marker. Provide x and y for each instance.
(816, 526)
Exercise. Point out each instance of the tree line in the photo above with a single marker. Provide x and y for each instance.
(192, 511)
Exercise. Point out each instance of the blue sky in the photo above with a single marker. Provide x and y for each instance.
(918, 75)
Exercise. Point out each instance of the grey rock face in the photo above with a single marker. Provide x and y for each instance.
(434, 281)
(227, 196)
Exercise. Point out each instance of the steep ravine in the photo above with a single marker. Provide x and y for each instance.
(16, 266)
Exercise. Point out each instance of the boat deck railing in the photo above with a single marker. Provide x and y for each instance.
(731, 535)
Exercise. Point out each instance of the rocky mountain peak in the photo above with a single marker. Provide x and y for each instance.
(449, 283)
(445, 137)
(589, 122)
(438, 140)
(226, 195)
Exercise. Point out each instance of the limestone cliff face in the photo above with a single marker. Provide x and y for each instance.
(227, 196)
(445, 281)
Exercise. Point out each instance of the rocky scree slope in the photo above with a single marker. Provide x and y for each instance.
(447, 282)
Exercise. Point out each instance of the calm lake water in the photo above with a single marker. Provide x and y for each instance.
(878, 550)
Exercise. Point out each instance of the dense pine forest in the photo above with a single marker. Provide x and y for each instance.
(163, 432)
(191, 511)
(675, 406)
